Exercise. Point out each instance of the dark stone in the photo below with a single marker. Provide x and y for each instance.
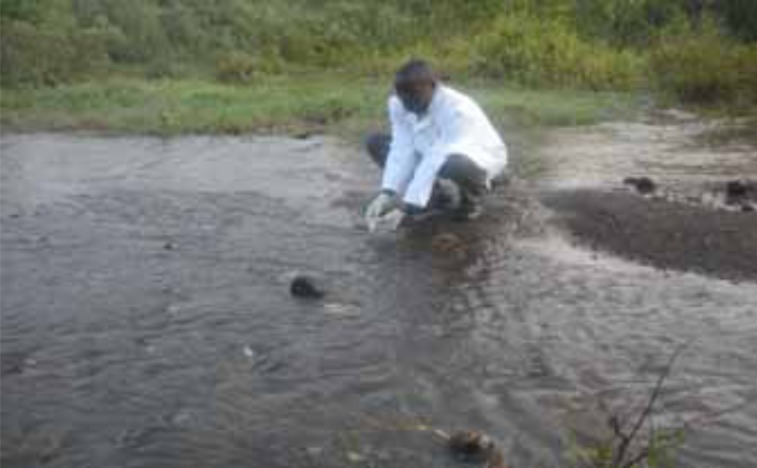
(169, 246)
(737, 192)
(735, 189)
(643, 185)
(747, 208)
(305, 287)
(303, 135)
(471, 445)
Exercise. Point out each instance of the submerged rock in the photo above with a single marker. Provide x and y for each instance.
(305, 287)
(476, 447)
(738, 192)
(471, 445)
(643, 185)
(736, 189)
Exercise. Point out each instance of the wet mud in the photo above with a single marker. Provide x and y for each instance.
(661, 233)
(651, 192)
(147, 318)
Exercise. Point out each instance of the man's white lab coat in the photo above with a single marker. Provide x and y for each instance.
(453, 124)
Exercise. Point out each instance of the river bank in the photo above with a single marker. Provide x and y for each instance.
(297, 105)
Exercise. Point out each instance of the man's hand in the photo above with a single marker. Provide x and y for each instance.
(379, 207)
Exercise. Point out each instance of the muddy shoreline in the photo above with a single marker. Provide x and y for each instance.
(660, 233)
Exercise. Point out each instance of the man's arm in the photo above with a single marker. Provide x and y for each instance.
(453, 125)
(401, 161)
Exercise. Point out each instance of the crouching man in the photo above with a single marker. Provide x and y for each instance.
(442, 154)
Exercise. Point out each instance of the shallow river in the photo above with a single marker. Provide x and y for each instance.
(146, 319)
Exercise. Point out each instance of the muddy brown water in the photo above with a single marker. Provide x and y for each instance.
(146, 319)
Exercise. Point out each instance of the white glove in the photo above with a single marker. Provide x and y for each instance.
(380, 206)
(389, 222)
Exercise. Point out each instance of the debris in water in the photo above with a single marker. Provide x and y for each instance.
(303, 135)
(643, 185)
(470, 444)
(169, 246)
(355, 457)
(738, 191)
(342, 310)
(473, 446)
(305, 287)
(314, 451)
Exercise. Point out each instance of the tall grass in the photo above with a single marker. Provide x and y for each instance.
(694, 51)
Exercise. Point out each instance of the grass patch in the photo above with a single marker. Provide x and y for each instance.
(333, 104)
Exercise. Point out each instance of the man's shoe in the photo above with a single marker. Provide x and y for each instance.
(446, 196)
(471, 207)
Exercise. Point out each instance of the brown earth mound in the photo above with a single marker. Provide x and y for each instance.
(661, 233)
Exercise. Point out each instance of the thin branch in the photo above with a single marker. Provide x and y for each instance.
(627, 439)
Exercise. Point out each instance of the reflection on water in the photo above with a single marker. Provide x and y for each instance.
(146, 319)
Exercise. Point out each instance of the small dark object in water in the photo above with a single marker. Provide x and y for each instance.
(305, 287)
(736, 191)
(643, 185)
(303, 135)
(169, 246)
(471, 445)
(747, 208)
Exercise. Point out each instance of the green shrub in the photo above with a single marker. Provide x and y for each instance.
(33, 56)
(539, 51)
(236, 67)
(705, 69)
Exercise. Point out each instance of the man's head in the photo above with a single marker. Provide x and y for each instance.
(415, 83)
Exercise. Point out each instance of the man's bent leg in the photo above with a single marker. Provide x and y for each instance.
(377, 145)
(470, 178)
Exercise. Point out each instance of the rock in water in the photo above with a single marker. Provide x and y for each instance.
(305, 287)
(738, 192)
(736, 189)
(643, 185)
(471, 445)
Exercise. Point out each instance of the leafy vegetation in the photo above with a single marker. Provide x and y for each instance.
(103, 51)
(337, 103)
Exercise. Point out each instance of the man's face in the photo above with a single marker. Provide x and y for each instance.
(415, 95)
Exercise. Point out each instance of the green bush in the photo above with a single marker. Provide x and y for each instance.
(705, 69)
(539, 51)
(32, 56)
(236, 67)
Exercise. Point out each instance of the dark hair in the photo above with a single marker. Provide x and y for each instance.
(414, 70)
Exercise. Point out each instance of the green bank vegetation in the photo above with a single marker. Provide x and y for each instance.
(335, 103)
(236, 65)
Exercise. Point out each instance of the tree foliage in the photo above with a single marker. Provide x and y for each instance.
(586, 43)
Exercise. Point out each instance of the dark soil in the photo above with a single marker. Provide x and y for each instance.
(662, 233)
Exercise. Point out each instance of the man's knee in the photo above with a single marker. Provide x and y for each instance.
(461, 168)
(377, 145)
